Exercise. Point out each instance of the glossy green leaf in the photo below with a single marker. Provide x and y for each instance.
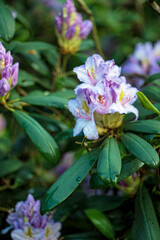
(109, 162)
(70, 205)
(130, 165)
(144, 126)
(152, 78)
(104, 203)
(22, 19)
(66, 93)
(39, 136)
(145, 225)
(141, 149)
(83, 236)
(46, 101)
(7, 22)
(50, 122)
(101, 222)
(146, 103)
(69, 181)
(36, 63)
(152, 92)
(86, 45)
(21, 47)
(143, 113)
(25, 79)
(96, 182)
(9, 166)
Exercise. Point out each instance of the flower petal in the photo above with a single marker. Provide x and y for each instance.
(81, 74)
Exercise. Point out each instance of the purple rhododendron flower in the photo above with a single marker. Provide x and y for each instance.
(71, 28)
(144, 61)
(29, 224)
(102, 92)
(8, 71)
(4, 87)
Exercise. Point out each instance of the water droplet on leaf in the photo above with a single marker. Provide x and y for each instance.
(78, 179)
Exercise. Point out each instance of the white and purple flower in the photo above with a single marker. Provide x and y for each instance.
(144, 61)
(71, 28)
(8, 72)
(28, 223)
(102, 92)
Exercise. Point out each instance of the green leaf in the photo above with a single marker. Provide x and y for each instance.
(21, 18)
(9, 166)
(101, 222)
(146, 224)
(141, 149)
(96, 182)
(25, 79)
(36, 63)
(109, 162)
(21, 47)
(86, 45)
(152, 92)
(105, 203)
(143, 113)
(51, 56)
(83, 236)
(66, 93)
(152, 78)
(146, 103)
(69, 181)
(130, 165)
(144, 126)
(7, 23)
(40, 137)
(50, 122)
(69, 206)
(46, 101)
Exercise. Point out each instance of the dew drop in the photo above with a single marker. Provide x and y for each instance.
(152, 224)
(78, 179)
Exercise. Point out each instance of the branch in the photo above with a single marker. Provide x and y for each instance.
(95, 32)
(155, 6)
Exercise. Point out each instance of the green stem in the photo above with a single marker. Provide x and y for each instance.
(56, 72)
(65, 61)
(95, 32)
(7, 107)
(155, 6)
(2, 209)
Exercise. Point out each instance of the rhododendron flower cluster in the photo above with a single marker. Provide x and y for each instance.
(71, 28)
(102, 99)
(8, 73)
(29, 224)
(144, 61)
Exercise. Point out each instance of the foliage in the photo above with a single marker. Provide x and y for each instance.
(107, 188)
